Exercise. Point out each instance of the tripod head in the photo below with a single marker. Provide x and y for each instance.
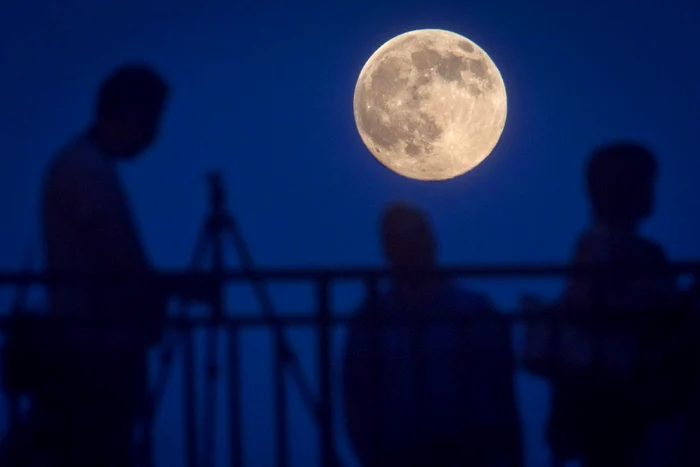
(219, 220)
(217, 196)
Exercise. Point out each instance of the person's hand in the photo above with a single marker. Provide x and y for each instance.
(537, 350)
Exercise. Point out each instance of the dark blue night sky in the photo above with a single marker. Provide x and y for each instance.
(264, 92)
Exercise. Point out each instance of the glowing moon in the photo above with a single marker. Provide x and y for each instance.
(430, 104)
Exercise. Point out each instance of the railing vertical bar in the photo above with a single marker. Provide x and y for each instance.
(281, 420)
(235, 400)
(190, 399)
(325, 363)
(417, 329)
(210, 397)
(376, 362)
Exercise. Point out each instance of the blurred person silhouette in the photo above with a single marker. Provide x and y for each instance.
(441, 395)
(691, 449)
(94, 381)
(618, 393)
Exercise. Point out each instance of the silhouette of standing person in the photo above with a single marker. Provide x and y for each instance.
(84, 410)
(441, 395)
(606, 409)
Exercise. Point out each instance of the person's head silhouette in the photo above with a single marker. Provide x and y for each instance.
(407, 238)
(620, 180)
(128, 110)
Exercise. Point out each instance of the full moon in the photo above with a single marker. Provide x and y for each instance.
(430, 104)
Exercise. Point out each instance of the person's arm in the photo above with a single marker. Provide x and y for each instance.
(496, 341)
(578, 292)
(100, 210)
(659, 287)
(360, 385)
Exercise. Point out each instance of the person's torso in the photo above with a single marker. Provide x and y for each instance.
(440, 380)
(606, 247)
(69, 246)
(613, 341)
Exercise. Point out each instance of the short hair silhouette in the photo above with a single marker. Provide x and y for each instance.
(620, 178)
(407, 236)
(132, 92)
(405, 217)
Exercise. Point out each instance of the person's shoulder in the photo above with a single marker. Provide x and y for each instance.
(78, 155)
(651, 250)
(582, 247)
(492, 329)
(78, 164)
(372, 304)
(595, 245)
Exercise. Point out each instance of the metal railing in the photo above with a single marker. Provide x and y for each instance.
(323, 320)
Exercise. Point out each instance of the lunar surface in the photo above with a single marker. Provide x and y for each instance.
(430, 104)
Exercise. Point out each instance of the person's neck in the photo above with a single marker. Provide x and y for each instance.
(623, 226)
(102, 141)
(412, 287)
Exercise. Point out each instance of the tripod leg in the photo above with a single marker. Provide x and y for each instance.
(283, 352)
(189, 367)
(281, 420)
(210, 394)
(217, 312)
(166, 358)
(235, 411)
(190, 397)
(234, 376)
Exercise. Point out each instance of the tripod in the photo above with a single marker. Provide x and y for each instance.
(218, 227)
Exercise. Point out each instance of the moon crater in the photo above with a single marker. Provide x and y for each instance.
(430, 104)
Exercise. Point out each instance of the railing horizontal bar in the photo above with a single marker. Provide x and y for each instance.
(311, 320)
(297, 274)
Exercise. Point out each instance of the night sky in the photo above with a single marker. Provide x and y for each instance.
(264, 92)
